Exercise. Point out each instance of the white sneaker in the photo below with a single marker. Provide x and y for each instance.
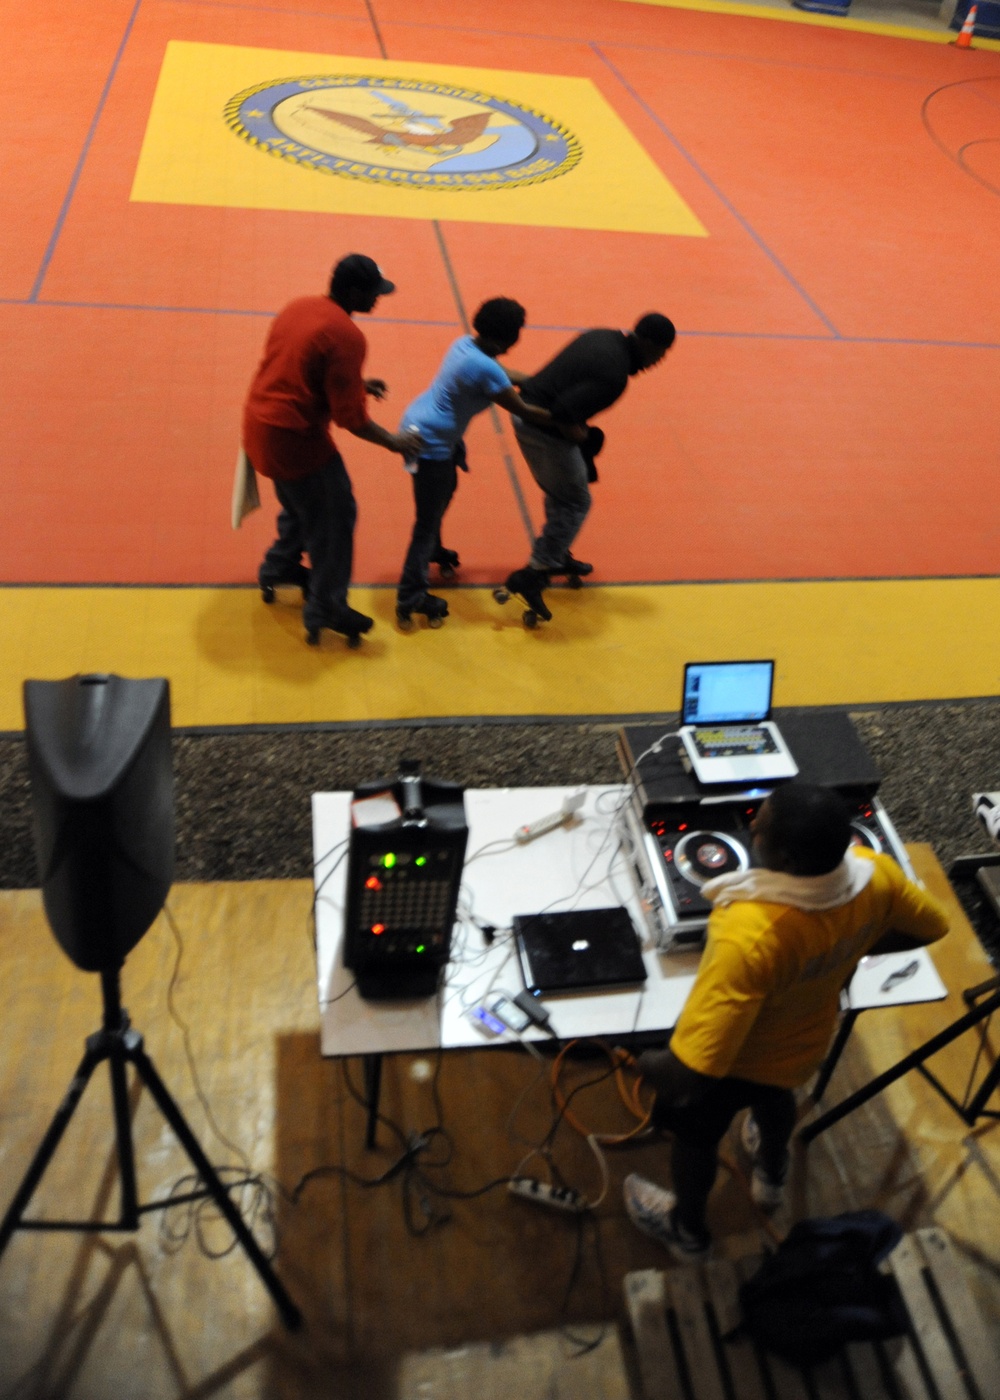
(986, 806)
(765, 1193)
(654, 1211)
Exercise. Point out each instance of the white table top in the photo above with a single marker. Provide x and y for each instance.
(573, 867)
(579, 866)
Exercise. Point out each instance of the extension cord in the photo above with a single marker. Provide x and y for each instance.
(570, 807)
(559, 1197)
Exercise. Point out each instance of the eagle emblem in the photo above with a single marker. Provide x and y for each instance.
(403, 132)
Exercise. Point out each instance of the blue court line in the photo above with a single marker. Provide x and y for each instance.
(685, 332)
(703, 174)
(68, 199)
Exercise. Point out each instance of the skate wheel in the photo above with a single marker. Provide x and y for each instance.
(267, 593)
(404, 622)
(354, 641)
(447, 572)
(501, 595)
(312, 637)
(574, 581)
(530, 618)
(435, 622)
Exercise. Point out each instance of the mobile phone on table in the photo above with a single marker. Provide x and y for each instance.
(504, 1009)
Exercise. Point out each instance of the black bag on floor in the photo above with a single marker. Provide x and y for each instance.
(822, 1288)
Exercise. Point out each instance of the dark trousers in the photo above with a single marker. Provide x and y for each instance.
(434, 485)
(698, 1129)
(318, 513)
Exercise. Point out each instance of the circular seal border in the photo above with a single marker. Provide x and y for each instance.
(284, 148)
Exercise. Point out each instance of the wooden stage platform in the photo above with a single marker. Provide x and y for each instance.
(147, 1316)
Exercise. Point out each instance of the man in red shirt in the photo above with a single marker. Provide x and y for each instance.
(309, 376)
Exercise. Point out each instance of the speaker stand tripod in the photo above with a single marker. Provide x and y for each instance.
(120, 1045)
(983, 1001)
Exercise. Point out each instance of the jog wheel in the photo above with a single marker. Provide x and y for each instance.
(863, 837)
(701, 855)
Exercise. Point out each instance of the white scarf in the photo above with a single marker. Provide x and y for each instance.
(811, 892)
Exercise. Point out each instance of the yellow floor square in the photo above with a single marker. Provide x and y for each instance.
(268, 129)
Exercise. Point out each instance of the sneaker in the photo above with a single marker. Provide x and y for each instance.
(986, 806)
(765, 1192)
(654, 1211)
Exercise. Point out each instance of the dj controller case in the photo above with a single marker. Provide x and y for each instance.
(680, 833)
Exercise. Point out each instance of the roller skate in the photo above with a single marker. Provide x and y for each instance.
(527, 584)
(447, 561)
(574, 571)
(434, 609)
(348, 623)
(297, 578)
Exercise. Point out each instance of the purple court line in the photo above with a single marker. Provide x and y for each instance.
(74, 181)
(456, 291)
(202, 311)
(704, 176)
(456, 325)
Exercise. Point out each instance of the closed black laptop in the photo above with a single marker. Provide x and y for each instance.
(579, 950)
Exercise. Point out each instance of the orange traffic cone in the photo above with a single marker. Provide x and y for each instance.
(964, 40)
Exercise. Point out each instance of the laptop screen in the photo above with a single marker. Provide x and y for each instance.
(727, 692)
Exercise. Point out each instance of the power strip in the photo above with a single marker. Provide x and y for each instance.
(544, 1194)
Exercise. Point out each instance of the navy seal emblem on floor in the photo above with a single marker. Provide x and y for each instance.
(403, 132)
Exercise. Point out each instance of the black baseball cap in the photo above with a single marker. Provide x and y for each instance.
(357, 270)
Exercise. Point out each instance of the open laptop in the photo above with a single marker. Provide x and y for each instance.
(727, 732)
(579, 950)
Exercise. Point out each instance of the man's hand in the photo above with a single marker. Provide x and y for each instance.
(409, 443)
(575, 432)
(378, 388)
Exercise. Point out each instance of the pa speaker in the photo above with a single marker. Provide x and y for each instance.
(103, 807)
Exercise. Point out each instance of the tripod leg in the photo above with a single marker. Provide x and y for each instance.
(290, 1314)
(123, 1133)
(49, 1143)
(977, 1104)
(912, 1061)
(833, 1055)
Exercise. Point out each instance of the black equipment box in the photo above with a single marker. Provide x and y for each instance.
(824, 743)
(403, 878)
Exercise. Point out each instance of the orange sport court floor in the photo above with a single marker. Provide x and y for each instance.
(810, 475)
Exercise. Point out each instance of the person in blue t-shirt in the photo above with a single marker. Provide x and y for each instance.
(468, 381)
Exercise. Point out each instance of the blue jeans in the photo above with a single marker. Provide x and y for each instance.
(318, 513)
(433, 487)
(558, 467)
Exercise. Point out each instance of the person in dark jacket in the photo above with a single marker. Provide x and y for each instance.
(585, 378)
